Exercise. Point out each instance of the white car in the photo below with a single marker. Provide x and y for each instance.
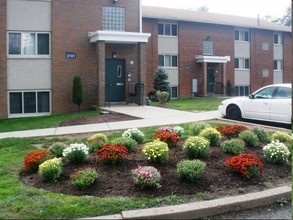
(270, 103)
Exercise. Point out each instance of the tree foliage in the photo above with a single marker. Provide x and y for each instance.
(161, 80)
(286, 20)
(77, 95)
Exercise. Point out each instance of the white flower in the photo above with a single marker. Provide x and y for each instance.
(75, 147)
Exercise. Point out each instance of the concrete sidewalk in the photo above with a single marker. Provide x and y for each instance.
(150, 116)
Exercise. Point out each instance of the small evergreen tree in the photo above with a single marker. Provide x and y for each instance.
(77, 92)
(229, 88)
(160, 80)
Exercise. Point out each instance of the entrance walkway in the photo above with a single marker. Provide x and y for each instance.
(150, 116)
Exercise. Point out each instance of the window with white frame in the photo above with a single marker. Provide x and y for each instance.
(242, 90)
(277, 38)
(167, 29)
(242, 63)
(265, 46)
(174, 92)
(29, 43)
(113, 19)
(265, 73)
(208, 48)
(168, 60)
(278, 64)
(241, 35)
(29, 102)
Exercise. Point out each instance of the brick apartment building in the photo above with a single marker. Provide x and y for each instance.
(113, 44)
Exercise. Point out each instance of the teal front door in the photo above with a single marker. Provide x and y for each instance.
(115, 80)
(210, 81)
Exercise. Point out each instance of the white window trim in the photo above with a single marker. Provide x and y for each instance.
(164, 35)
(22, 56)
(23, 115)
(171, 91)
(243, 59)
(169, 67)
(279, 65)
(242, 30)
(280, 40)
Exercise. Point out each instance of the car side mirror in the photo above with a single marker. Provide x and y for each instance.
(251, 96)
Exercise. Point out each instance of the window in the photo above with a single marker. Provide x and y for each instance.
(277, 64)
(26, 43)
(174, 92)
(265, 73)
(241, 35)
(29, 102)
(168, 60)
(284, 92)
(242, 63)
(266, 93)
(113, 19)
(208, 47)
(265, 46)
(167, 29)
(277, 38)
(242, 90)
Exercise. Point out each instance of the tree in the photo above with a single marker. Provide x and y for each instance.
(160, 80)
(203, 8)
(286, 20)
(77, 92)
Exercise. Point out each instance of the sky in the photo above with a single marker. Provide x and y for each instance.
(247, 8)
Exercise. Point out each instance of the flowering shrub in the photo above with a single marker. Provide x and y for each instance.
(57, 149)
(177, 129)
(261, 134)
(212, 135)
(196, 147)
(51, 169)
(249, 165)
(249, 138)
(196, 127)
(135, 134)
(96, 141)
(146, 177)
(33, 159)
(171, 138)
(231, 131)
(276, 152)
(76, 153)
(84, 178)
(129, 143)
(156, 151)
(190, 170)
(281, 136)
(233, 146)
(112, 153)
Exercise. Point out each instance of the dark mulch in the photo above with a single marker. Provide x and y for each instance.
(116, 180)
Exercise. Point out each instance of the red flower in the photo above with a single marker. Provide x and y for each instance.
(231, 131)
(33, 159)
(112, 152)
(243, 162)
(171, 138)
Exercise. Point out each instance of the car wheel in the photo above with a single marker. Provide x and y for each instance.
(234, 113)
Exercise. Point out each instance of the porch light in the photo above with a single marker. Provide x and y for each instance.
(115, 1)
(114, 55)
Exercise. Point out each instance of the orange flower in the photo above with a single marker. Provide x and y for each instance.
(33, 159)
(171, 138)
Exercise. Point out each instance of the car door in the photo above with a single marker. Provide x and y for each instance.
(259, 104)
(281, 105)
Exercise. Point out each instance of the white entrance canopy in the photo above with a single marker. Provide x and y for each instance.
(212, 59)
(118, 37)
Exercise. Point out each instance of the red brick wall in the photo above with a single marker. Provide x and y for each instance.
(261, 59)
(3, 68)
(71, 22)
(288, 68)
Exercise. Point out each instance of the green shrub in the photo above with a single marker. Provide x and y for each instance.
(146, 177)
(262, 135)
(281, 136)
(212, 135)
(190, 170)
(233, 146)
(135, 134)
(84, 178)
(96, 141)
(156, 151)
(276, 152)
(76, 153)
(196, 147)
(249, 138)
(51, 169)
(129, 143)
(196, 127)
(57, 149)
(162, 96)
